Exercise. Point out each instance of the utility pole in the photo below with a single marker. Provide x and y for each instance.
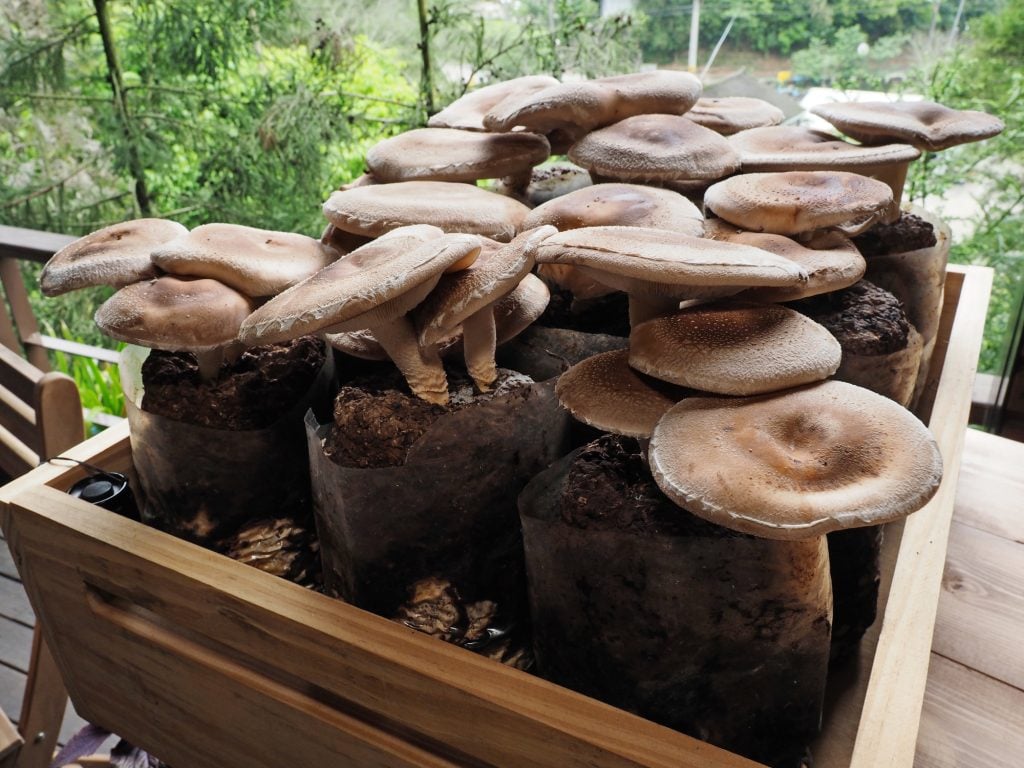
(691, 62)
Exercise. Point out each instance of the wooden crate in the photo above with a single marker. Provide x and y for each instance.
(211, 664)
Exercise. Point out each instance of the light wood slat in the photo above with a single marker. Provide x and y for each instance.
(19, 418)
(990, 495)
(21, 309)
(15, 456)
(31, 244)
(75, 348)
(981, 608)
(18, 375)
(969, 720)
(889, 722)
(10, 742)
(58, 414)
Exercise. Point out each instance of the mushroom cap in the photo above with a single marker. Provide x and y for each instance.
(795, 202)
(448, 154)
(622, 205)
(257, 262)
(374, 284)
(662, 262)
(924, 124)
(734, 348)
(171, 313)
(727, 115)
(605, 392)
(454, 207)
(796, 464)
(596, 103)
(467, 112)
(797, 148)
(831, 259)
(498, 269)
(656, 147)
(116, 255)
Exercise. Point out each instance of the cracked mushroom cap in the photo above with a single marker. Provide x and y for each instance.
(257, 262)
(606, 393)
(449, 154)
(924, 124)
(117, 255)
(796, 148)
(656, 148)
(619, 205)
(666, 263)
(467, 112)
(454, 207)
(796, 464)
(378, 282)
(797, 202)
(498, 269)
(582, 107)
(831, 259)
(727, 115)
(734, 348)
(175, 314)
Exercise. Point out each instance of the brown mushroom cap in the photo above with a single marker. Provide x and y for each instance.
(596, 103)
(257, 262)
(604, 392)
(467, 112)
(831, 259)
(454, 207)
(448, 154)
(800, 201)
(174, 313)
(734, 348)
(727, 115)
(622, 205)
(656, 148)
(382, 280)
(796, 148)
(116, 255)
(796, 464)
(924, 124)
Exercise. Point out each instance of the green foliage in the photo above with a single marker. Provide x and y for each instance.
(99, 383)
(844, 62)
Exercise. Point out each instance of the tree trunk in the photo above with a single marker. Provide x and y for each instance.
(427, 78)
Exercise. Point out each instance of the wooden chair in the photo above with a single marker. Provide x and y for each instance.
(40, 416)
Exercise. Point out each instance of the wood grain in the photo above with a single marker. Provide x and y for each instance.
(969, 719)
(990, 495)
(981, 608)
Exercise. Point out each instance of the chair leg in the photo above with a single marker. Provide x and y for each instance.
(42, 709)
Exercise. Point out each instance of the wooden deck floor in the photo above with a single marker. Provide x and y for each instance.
(974, 705)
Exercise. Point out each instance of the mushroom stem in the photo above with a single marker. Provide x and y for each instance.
(895, 175)
(478, 344)
(421, 365)
(647, 307)
(210, 362)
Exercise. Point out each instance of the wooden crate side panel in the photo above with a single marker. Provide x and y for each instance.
(143, 608)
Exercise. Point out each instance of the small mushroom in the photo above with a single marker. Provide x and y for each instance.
(117, 255)
(198, 315)
(727, 115)
(257, 262)
(795, 464)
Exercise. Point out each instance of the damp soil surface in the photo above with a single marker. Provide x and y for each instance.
(606, 314)
(908, 233)
(250, 393)
(609, 487)
(865, 319)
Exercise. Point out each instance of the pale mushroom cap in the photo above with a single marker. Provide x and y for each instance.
(800, 201)
(925, 124)
(831, 259)
(448, 154)
(796, 464)
(604, 392)
(621, 205)
(735, 348)
(797, 148)
(499, 268)
(596, 103)
(174, 313)
(116, 255)
(454, 207)
(257, 262)
(656, 148)
(657, 260)
(467, 112)
(366, 286)
(727, 115)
